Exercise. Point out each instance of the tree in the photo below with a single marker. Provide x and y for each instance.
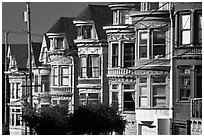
(95, 120)
(48, 121)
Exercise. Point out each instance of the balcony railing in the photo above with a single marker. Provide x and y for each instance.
(196, 108)
(120, 71)
(196, 116)
(189, 51)
(61, 89)
(89, 81)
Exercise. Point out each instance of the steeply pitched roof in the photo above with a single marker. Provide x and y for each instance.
(20, 52)
(100, 14)
(65, 25)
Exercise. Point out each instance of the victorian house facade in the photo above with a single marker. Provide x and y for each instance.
(187, 63)
(59, 65)
(92, 47)
(18, 75)
(139, 65)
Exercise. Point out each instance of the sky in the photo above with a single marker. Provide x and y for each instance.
(43, 16)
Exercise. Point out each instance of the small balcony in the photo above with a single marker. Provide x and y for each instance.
(196, 116)
(120, 72)
(61, 91)
(190, 51)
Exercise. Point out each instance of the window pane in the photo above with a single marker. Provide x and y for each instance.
(129, 103)
(186, 36)
(55, 81)
(129, 54)
(159, 79)
(65, 76)
(159, 51)
(159, 37)
(115, 86)
(93, 95)
(55, 71)
(129, 86)
(143, 79)
(83, 96)
(60, 43)
(83, 66)
(115, 55)
(94, 66)
(143, 38)
(143, 101)
(64, 102)
(87, 32)
(185, 94)
(115, 100)
(143, 90)
(159, 90)
(186, 22)
(185, 81)
(159, 102)
(143, 51)
(18, 119)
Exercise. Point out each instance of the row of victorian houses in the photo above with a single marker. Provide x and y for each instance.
(143, 58)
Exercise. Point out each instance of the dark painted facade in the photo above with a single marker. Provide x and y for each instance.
(187, 66)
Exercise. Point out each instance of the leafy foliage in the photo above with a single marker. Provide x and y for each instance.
(89, 119)
(96, 119)
(48, 121)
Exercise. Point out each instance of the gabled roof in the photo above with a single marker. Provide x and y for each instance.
(20, 52)
(65, 25)
(100, 14)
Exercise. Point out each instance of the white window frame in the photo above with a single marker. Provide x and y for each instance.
(59, 75)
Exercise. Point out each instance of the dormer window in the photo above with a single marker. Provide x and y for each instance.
(145, 6)
(57, 43)
(84, 32)
(121, 17)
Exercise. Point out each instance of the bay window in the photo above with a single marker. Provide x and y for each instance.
(90, 66)
(61, 75)
(152, 92)
(154, 47)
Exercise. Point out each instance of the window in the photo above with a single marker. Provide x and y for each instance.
(90, 66)
(64, 76)
(94, 66)
(83, 66)
(129, 86)
(18, 90)
(121, 17)
(90, 98)
(143, 36)
(84, 32)
(129, 54)
(114, 86)
(185, 82)
(198, 93)
(12, 90)
(36, 83)
(55, 76)
(200, 28)
(152, 92)
(159, 43)
(156, 48)
(61, 76)
(129, 101)
(15, 117)
(115, 55)
(57, 43)
(143, 91)
(149, 6)
(185, 29)
(115, 100)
